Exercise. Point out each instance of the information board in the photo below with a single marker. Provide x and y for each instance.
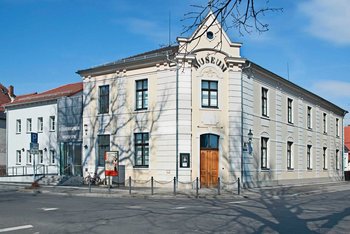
(111, 163)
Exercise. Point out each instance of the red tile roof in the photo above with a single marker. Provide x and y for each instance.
(4, 97)
(53, 94)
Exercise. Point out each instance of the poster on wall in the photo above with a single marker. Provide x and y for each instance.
(111, 163)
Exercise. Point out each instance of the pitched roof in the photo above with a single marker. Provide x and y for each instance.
(4, 97)
(153, 57)
(52, 94)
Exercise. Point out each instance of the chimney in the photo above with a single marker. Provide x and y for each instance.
(11, 92)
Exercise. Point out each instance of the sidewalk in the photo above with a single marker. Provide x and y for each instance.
(166, 193)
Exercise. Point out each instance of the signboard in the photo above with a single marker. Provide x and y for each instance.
(34, 137)
(111, 163)
(34, 148)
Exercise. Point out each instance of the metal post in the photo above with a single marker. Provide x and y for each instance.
(89, 185)
(109, 184)
(129, 184)
(218, 185)
(174, 186)
(152, 185)
(239, 186)
(197, 187)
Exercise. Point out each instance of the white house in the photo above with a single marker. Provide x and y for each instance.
(38, 113)
(199, 109)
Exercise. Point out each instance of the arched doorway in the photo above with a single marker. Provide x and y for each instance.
(209, 160)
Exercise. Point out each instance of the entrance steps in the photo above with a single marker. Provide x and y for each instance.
(61, 180)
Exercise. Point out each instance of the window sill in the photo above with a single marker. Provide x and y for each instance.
(265, 117)
(325, 133)
(290, 124)
(290, 169)
(309, 129)
(17, 133)
(309, 169)
(325, 169)
(265, 169)
(104, 113)
(141, 167)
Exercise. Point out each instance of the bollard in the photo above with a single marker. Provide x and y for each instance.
(197, 187)
(218, 185)
(239, 186)
(129, 184)
(174, 186)
(89, 185)
(152, 185)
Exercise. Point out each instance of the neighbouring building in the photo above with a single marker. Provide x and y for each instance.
(56, 116)
(5, 96)
(199, 109)
(347, 148)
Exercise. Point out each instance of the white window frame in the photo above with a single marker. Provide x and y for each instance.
(337, 160)
(264, 102)
(324, 122)
(18, 157)
(324, 158)
(309, 154)
(29, 125)
(18, 126)
(52, 123)
(52, 157)
(309, 117)
(337, 127)
(290, 158)
(40, 124)
(264, 167)
(29, 158)
(290, 110)
(41, 157)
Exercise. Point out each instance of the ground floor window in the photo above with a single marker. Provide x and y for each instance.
(52, 157)
(29, 157)
(337, 159)
(324, 155)
(103, 146)
(308, 157)
(141, 149)
(289, 155)
(18, 157)
(264, 141)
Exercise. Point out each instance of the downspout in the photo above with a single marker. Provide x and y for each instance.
(242, 138)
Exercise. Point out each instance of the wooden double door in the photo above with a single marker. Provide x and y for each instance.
(209, 166)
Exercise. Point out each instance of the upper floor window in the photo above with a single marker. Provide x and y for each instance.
(18, 126)
(141, 149)
(40, 124)
(264, 158)
(103, 142)
(289, 155)
(29, 125)
(290, 110)
(324, 123)
(141, 94)
(337, 127)
(264, 102)
(309, 117)
(209, 94)
(103, 99)
(308, 157)
(52, 123)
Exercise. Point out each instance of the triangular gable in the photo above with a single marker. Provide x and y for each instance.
(209, 35)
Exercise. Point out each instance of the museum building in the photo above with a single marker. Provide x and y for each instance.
(199, 109)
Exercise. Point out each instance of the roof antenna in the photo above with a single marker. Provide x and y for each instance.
(288, 70)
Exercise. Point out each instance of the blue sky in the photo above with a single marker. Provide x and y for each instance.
(44, 42)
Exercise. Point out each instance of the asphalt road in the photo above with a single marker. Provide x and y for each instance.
(321, 212)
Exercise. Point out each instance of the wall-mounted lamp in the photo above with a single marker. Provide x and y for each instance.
(247, 146)
(85, 129)
(23, 149)
(45, 149)
(85, 146)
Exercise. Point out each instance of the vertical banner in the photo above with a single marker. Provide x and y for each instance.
(111, 163)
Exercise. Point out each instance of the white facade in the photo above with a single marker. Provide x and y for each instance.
(19, 159)
(178, 102)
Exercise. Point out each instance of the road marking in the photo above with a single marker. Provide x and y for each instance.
(237, 202)
(16, 228)
(49, 209)
(179, 208)
(134, 207)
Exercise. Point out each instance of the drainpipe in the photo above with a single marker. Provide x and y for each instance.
(242, 138)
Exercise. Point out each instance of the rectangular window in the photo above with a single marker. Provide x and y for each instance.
(324, 158)
(41, 157)
(40, 124)
(29, 157)
(52, 157)
(308, 157)
(264, 141)
(141, 149)
(29, 125)
(264, 102)
(209, 94)
(103, 146)
(289, 155)
(103, 99)
(141, 94)
(309, 117)
(18, 126)
(337, 167)
(337, 127)
(52, 123)
(290, 110)
(324, 123)
(18, 157)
